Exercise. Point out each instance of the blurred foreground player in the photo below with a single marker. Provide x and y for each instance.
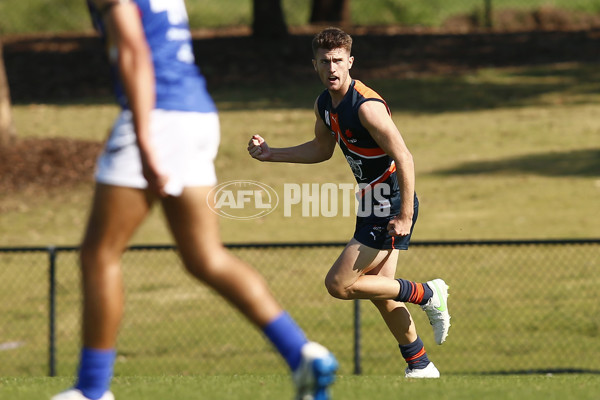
(162, 148)
(356, 118)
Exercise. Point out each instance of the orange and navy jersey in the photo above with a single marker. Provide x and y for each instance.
(369, 163)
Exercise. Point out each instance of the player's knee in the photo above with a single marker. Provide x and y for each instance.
(337, 289)
(95, 257)
(208, 267)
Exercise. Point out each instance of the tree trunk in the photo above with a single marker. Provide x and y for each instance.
(269, 21)
(7, 128)
(334, 11)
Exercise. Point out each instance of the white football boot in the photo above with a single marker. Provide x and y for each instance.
(430, 371)
(315, 373)
(436, 309)
(75, 394)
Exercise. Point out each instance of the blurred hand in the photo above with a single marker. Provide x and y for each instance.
(156, 179)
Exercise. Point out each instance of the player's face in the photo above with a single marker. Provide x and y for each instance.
(333, 67)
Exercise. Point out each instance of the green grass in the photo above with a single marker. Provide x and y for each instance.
(268, 387)
(509, 153)
(509, 305)
(70, 15)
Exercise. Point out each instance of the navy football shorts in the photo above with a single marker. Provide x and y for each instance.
(372, 231)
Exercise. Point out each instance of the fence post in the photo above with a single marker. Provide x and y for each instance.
(52, 312)
(357, 366)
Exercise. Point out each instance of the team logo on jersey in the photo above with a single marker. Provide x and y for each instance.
(355, 165)
(349, 137)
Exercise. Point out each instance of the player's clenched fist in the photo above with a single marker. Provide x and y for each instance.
(258, 148)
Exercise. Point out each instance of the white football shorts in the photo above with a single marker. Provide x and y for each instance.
(186, 144)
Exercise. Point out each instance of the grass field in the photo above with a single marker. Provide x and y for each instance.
(278, 387)
(511, 153)
(509, 306)
(70, 15)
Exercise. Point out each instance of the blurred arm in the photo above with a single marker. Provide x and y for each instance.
(125, 31)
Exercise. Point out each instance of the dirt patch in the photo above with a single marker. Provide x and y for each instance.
(34, 165)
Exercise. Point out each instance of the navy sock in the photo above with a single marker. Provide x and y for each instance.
(95, 372)
(287, 337)
(415, 354)
(413, 292)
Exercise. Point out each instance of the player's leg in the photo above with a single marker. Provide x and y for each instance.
(401, 325)
(348, 279)
(362, 272)
(432, 296)
(395, 314)
(116, 213)
(196, 231)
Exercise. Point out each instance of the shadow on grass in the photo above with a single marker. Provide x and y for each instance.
(584, 163)
(489, 89)
(493, 89)
(433, 94)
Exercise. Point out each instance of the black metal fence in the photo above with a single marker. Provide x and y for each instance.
(517, 306)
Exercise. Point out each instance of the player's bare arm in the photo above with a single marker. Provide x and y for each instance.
(126, 33)
(315, 151)
(374, 116)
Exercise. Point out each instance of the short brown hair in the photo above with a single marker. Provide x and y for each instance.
(331, 38)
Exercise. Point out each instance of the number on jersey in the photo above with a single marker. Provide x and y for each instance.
(175, 10)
